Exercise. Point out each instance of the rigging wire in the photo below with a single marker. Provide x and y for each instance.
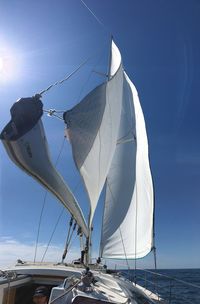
(90, 74)
(39, 225)
(59, 217)
(93, 14)
(72, 232)
(64, 79)
(66, 245)
(55, 227)
(79, 233)
(51, 112)
(70, 226)
(72, 241)
(69, 238)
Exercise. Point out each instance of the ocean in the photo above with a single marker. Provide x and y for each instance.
(177, 286)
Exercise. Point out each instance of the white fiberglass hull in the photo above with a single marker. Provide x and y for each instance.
(64, 282)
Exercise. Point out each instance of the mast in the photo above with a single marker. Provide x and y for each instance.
(88, 241)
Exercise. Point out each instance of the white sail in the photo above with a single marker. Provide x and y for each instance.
(25, 142)
(127, 229)
(93, 128)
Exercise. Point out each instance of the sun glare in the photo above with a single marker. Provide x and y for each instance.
(9, 66)
(1, 64)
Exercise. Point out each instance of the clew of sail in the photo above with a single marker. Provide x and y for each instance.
(129, 191)
(25, 142)
(93, 129)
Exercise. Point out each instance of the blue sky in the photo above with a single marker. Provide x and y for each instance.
(41, 42)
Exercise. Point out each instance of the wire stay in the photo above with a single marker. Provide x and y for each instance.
(64, 79)
(93, 14)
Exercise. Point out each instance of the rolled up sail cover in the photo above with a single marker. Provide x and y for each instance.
(93, 128)
(25, 142)
(127, 230)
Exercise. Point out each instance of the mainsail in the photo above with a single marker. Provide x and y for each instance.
(25, 142)
(93, 130)
(127, 230)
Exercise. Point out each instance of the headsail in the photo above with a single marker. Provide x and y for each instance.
(127, 229)
(25, 142)
(93, 129)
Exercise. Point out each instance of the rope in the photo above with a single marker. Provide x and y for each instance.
(42, 210)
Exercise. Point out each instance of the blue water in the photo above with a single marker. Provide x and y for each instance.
(170, 286)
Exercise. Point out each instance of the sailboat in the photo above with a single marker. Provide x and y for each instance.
(107, 133)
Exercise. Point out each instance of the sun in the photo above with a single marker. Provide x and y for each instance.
(6, 68)
(9, 70)
(1, 64)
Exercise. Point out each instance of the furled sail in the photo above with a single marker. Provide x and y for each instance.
(93, 129)
(127, 229)
(25, 142)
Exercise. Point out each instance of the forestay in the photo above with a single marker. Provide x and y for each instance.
(25, 142)
(93, 129)
(127, 229)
